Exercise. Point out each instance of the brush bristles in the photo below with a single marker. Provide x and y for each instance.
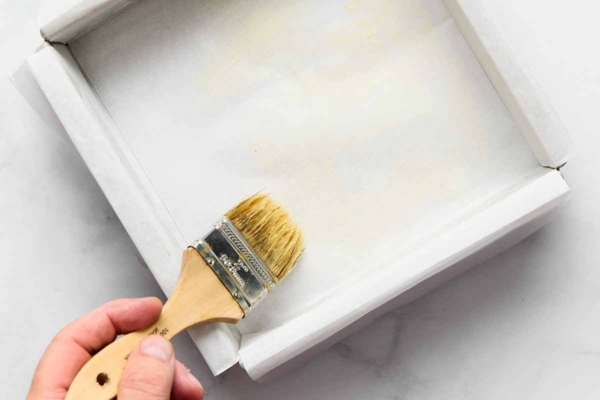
(270, 231)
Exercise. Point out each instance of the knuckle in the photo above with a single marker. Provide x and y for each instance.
(146, 384)
(60, 337)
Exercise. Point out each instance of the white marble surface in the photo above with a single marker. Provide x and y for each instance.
(525, 325)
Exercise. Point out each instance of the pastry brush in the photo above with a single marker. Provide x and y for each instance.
(224, 275)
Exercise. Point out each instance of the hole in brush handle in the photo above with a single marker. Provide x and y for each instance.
(102, 379)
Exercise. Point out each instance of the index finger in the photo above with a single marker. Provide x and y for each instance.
(73, 346)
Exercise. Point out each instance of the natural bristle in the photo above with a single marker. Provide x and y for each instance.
(269, 229)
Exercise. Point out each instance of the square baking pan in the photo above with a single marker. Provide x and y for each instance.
(403, 136)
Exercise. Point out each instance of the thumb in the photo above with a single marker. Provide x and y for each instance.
(149, 371)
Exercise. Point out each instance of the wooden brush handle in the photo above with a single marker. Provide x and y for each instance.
(198, 298)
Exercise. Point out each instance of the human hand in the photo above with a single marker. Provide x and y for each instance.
(151, 372)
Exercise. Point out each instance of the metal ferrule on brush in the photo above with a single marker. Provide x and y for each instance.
(236, 264)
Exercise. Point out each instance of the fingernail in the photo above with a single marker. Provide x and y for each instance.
(194, 380)
(157, 347)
